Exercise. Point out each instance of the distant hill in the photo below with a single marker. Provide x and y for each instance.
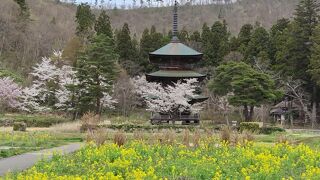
(52, 24)
(192, 17)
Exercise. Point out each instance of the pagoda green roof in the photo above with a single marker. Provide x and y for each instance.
(176, 49)
(176, 73)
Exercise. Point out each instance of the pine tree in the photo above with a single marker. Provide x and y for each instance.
(103, 25)
(127, 48)
(314, 66)
(24, 10)
(124, 44)
(244, 37)
(149, 42)
(258, 46)
(85, 20)
(277, 38)
(183, 35)
(215, 43)
(97, 70)
(248, 87)
(293, 59)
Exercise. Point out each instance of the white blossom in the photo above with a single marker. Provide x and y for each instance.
(9, 93)
(170, 98)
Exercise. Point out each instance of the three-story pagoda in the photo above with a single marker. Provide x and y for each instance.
(175, 61)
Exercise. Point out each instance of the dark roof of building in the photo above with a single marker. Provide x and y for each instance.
(176, 49)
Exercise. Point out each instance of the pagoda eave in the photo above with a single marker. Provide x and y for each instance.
(174, 75)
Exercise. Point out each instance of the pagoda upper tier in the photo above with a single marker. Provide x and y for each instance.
(175, 55)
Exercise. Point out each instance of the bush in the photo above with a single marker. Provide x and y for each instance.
(19, 126)
(225, 134)
(270, 130)
(32, 120)
(89, 122)
(249, 126)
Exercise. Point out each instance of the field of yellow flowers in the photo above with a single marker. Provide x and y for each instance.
(210, 160)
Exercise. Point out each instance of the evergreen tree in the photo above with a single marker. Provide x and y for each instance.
(103, 25)
(307, 17)
(215, 43)
(314, 66)
(294, 57)
(127, 49)
(149, 42)
(124, 44)
(195, 36)
(183, 35)
(244, 37)
(249, 87)
(24, 10)
(156, 39)
(277, 38)
(195, 40)
(85, 20)
(234, 43)
(258, 46)
(97, 70)
(71, 50)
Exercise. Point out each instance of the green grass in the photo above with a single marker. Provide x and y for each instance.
(32, 120)
(21, 142)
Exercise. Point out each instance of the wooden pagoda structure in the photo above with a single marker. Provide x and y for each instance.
(175, 61)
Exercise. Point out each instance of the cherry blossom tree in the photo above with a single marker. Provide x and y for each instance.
(53, 87)
(169, 99)
(9, 93)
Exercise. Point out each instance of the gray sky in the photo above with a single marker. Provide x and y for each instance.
(120, 3)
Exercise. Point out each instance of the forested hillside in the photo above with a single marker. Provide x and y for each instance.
(51, 25)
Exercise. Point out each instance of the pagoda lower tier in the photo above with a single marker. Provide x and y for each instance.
(168, 76)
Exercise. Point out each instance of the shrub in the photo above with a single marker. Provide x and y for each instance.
(138, 135)
(89, 122)
(249, 126)
(196, 138)
(247, 136)
(19, 126)
(119, 138)
(225, 134)
(270, 130)
(99, 136)
(186, 137)
(33, 120)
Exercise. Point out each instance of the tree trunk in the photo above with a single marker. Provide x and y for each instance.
(98, 105)
(246, 113)
(314, 108)
(251, 113)
(225, 114)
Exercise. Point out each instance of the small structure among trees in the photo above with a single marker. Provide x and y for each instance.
(175, 61)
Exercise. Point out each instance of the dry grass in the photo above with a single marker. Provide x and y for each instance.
(282, 138)
(225, 134)
(186, 137)
(169, 137)
(138, 135)
(68, 127)
(99, 136)
(247, 136)
(196, 138)
(119, 138)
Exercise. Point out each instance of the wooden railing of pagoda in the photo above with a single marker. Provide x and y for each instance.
(157, 118)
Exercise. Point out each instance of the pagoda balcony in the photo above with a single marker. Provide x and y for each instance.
(158, 118)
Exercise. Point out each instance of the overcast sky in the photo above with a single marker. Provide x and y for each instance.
(119, 3)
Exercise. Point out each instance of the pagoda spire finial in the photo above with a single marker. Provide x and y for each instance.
(175, 23)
